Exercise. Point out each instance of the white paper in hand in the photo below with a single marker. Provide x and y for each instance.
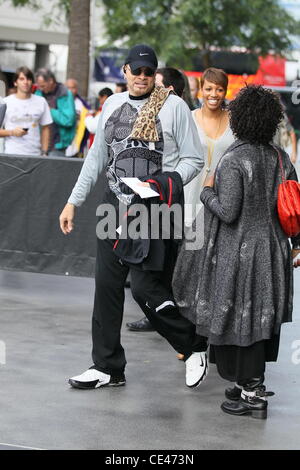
(142, 191)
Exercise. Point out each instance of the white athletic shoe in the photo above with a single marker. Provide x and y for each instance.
(196, 369)
(93, 378)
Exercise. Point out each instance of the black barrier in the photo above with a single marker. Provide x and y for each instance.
(33, 191)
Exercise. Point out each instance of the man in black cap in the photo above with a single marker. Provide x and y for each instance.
(168, 77)
(147, 133)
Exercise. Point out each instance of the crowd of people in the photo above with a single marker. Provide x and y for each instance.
(223, 302)
(47, 118)
(62, 126)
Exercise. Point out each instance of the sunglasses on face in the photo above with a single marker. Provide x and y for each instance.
(147, 71)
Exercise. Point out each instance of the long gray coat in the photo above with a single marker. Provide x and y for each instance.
(238, 289)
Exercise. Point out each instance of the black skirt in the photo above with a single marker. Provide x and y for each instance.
(239, 364)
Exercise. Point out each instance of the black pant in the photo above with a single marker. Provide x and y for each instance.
(150, 290)
(241, 363)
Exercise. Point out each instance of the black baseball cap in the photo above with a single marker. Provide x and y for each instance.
(141, 56)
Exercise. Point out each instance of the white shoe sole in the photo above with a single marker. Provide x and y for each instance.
(202, 378)
(93, 385)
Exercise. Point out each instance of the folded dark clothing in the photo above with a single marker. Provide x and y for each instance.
(145, 252)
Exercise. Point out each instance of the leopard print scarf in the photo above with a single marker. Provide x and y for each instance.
(144, 127)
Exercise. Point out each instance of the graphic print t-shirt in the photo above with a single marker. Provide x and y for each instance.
(30, 113)
(113, 151)
(129, 157)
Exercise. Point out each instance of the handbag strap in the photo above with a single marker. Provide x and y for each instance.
(280, 164)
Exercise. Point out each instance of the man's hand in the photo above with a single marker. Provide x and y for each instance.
(66, 218)
(296, 258)
(18, 132)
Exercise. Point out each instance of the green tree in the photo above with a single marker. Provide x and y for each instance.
(174, 27)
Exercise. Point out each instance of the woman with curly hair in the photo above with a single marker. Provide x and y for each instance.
(240, 291)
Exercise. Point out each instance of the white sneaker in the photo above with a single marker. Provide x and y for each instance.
(196, 369)
(93, 378)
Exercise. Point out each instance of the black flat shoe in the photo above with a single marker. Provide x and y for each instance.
(257, 410)
(141, 325)
(252, 402)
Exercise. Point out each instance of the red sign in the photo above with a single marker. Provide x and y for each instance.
(271, 72)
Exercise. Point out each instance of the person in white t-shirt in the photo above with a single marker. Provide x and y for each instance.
(91, 121)
(27, 118)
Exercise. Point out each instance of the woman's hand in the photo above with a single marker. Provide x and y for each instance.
(209, 180)
(294, 158)
(296, 258)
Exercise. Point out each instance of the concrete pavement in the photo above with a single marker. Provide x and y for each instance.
(45, 338)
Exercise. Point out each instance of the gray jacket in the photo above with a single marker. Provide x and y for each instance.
(238, 289)
(178, 149)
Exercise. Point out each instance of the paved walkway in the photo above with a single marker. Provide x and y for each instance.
(45, 338)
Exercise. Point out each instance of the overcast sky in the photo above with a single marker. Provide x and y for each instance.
(293, 7)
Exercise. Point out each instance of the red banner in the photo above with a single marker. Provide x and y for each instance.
(271, 72)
